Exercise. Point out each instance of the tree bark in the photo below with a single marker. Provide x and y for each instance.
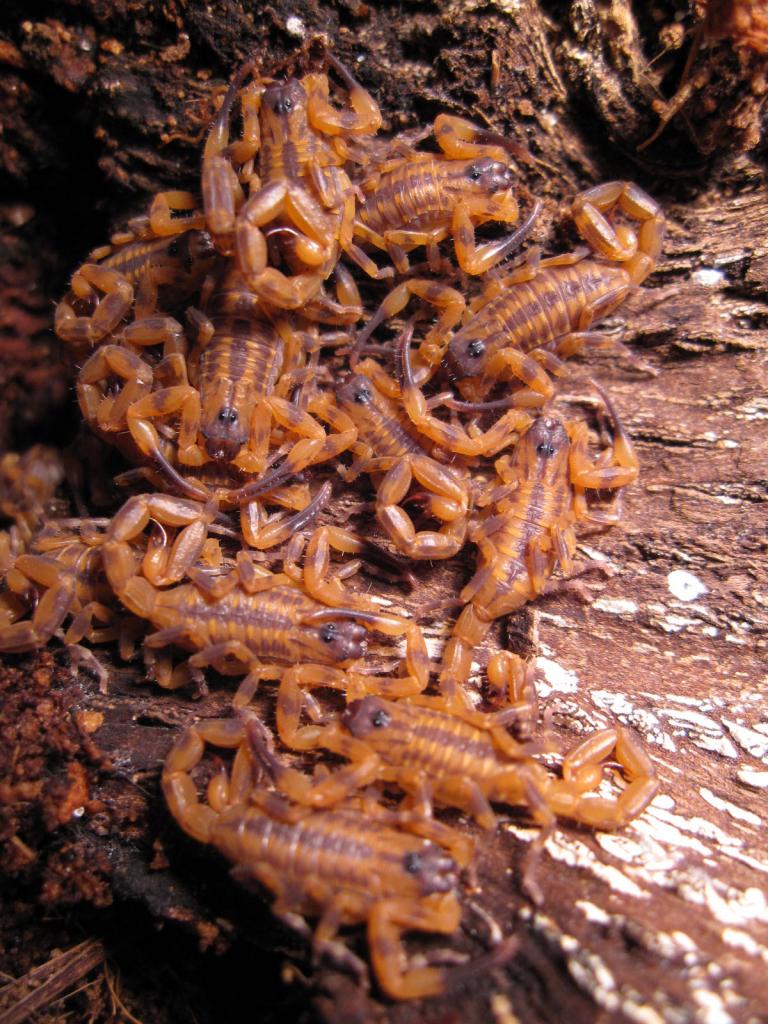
(666, 920)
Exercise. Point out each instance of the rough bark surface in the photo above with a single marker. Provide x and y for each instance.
(667, 920)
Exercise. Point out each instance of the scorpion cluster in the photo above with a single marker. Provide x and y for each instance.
(220, 350)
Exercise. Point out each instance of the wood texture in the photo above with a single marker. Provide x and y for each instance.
(666, 921)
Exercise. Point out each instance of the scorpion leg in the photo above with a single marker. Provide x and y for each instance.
(52, 609)
(500, 435)
(457, 138)
(316, 235)
(195, 818)
(449, 302)
(345, 907)
(587, 473)
(166, 214)
(298, 787)
(281, 528)
(219, 183)
(133, 517)
(477, 259)
(398, 524)
(511, 675)
(98, 407)
(468, 633)
(316, 576)
(363, 119)
(180, 398)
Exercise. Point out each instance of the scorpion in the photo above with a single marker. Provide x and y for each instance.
(61, 575)
(227, 396)
(420, 198)
(301, 190)
(387, 443)
(268, 623)
(526, 528)
(127, 274)
(346, 866)
(28, 485)
(467, 760)
(543, 308)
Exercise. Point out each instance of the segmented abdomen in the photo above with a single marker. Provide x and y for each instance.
(339, 849)
(536, 510)
(410, 195)
(418, 737)
(533, 313)
(268, 624)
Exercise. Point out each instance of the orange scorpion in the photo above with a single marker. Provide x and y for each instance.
(524, 323)
(61, 575)
(420, 198)
(227, 395)
(127, 275)
(250, 621)
(526, 528)
(301, 191)
(345, 866)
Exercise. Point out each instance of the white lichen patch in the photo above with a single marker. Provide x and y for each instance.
(743, 940)
(295, 27)
(502, 1010)
(708, 277)
(685, 586)
(615, 606)
(592, 913)
(752, 778)
(645, 721)
(748, 739)
(739, 813)
(573, 852)
(594, 975)
(701, 730)
(711, 1006)
(726, 904)
(556, 678)
(594, 554)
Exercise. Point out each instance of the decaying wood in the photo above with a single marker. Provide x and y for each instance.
(42, 985)
(666, 921)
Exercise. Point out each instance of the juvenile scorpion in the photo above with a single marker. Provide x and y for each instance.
(345, 866)
(526, 528)
(421, 198)
(227, 396)
(251, 621)
(301, 188)
(526, 322)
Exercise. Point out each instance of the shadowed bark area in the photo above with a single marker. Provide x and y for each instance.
(666, 920)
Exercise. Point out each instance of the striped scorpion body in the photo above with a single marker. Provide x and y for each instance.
(547, 307)
(395, 447)
(527, 527)
(227, 398)
(61, 575)
(250, 621)
(440, 755)
(525, 323)
(420, 199)
(301, 202)
(126, 277)
(344, 866)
